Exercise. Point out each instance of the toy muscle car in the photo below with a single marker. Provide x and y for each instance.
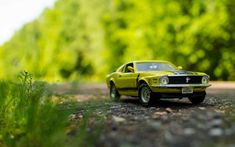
(153, 80)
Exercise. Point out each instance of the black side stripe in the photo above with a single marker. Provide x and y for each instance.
(131, 89)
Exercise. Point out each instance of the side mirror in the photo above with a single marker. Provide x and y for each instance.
(179, 67)
(131, 69)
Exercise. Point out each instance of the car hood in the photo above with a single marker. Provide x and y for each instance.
(184, 72)
(172, 73)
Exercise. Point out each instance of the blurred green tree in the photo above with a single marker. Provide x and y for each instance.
(88, 39)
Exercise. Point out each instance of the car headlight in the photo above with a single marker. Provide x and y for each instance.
(164, 80)
(205, 80)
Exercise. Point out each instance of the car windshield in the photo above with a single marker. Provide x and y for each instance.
(153, 66)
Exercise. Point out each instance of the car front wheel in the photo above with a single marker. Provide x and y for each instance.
(197, 100)
(114, 94)
(145, 95)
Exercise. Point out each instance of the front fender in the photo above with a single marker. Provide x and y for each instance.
(150, 80)
(143, 80)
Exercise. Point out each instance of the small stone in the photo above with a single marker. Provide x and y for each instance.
(155, 124)
(220, 111)
(168, 110)
(216, 132)
(189, 131)
(152, 108)
(136, 118)
(160, 113)
(119, 119)
(80, 116)
(201, 108)
(168, 136)
(72, 117)
(157, 115)
(216, 122)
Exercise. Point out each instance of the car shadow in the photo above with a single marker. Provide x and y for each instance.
(164, 103)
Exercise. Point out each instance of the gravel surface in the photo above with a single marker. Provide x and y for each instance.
(168, 122)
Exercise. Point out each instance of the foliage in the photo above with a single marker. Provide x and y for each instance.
(189, 33)
(88, 39)
(29, 117)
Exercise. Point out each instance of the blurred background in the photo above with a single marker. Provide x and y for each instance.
(85, 40)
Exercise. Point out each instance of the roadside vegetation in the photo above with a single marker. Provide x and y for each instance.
(30, 116)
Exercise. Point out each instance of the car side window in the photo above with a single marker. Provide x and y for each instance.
(123, 68)
(126, 68)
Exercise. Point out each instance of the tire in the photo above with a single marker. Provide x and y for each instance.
(197, 100)
(113, 93)
(145, 95)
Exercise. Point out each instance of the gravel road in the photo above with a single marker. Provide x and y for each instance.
(168, 123)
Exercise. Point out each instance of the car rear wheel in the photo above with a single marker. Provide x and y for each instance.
(114, 94)
(197, 100)
(145, 95)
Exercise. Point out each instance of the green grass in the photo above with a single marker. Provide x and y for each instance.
(29, 117)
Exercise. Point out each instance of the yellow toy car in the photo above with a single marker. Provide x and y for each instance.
(152, 80)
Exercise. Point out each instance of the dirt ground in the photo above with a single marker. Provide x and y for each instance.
(168, 122)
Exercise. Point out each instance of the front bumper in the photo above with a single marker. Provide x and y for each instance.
(177, 88)
(179, 95)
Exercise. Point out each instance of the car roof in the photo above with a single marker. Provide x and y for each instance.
(147, 61)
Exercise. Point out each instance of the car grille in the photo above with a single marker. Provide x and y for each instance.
(185, 79)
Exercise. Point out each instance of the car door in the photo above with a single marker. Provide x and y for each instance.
(118, 75)
(127, 80)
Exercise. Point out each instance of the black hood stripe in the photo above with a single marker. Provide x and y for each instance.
(180, 72)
